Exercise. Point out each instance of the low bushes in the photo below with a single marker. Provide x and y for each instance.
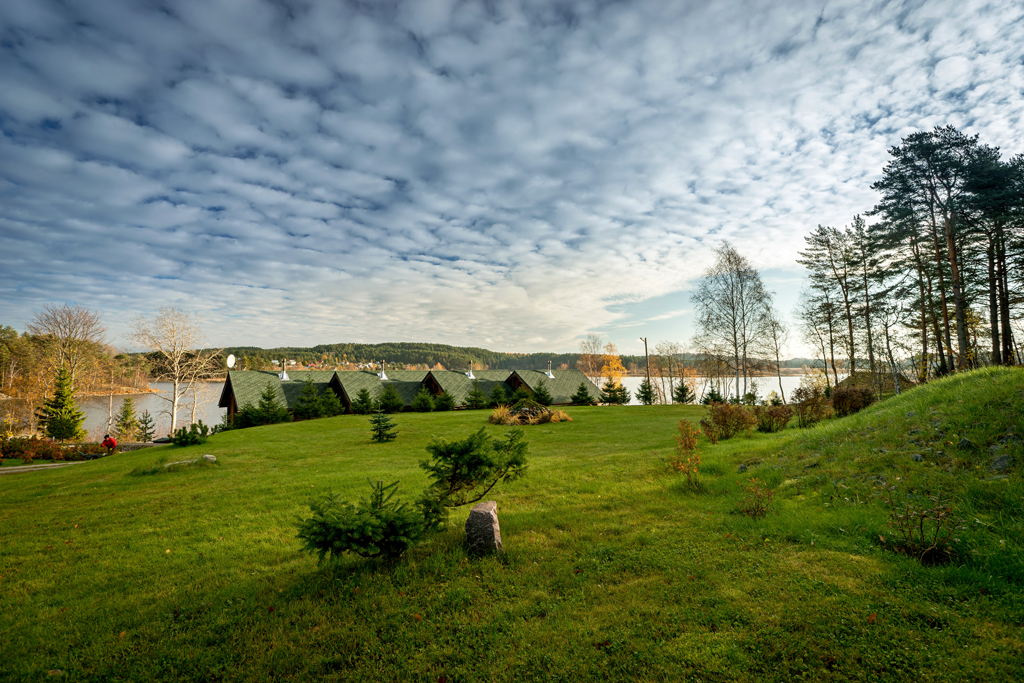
(772, 418)
(725, 420)
(34, 448)
(526, 412)
(849, 400)
(811, 404)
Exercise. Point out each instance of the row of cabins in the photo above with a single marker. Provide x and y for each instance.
(245, 386)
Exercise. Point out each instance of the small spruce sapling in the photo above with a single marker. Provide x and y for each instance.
(645, 394)
(389, 400)
(582, 396)
(683, 394)
(520, 394)
(424, 401)
(363, 405)
(126, 424)
(497, 396)
(60, 416)
(307, 405)
(476, 399)
(147, 428)
(444, 402)
(382, 427)
(542, 395)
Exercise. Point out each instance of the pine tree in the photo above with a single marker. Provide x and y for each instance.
(126, 424)
(614, 393)
(363, 405)
(520, 394)
(444, 402)
(389, 400)
(147, 428)
(645, 394)
(476, 399)
(683, 394)
(329, 404)
(269, 411)
(307, 405)
(542, 395)
(60, 418)
(712, 397)
(382, 427)
(497, 396)
(424, 401)
(582, 396)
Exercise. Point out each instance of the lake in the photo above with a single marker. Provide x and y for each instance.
(96, 408)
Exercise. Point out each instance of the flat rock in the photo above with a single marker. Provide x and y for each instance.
(210, 458)
(917, 457)
(483, 535)
(965, 444)
(1002, 463)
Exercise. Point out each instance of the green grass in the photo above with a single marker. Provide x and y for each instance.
(614, 569)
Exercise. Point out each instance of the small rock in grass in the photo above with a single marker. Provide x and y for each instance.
(741, 468)
(1002, 463)
(917, 457)
(965, 444)
(911, 414)
(483, 534)
(210, 458)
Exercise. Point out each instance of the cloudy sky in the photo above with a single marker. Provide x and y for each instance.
(504, 174)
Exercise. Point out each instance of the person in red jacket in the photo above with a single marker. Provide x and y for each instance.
(110, 443)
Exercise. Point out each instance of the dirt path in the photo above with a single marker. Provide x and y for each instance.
(33, 468)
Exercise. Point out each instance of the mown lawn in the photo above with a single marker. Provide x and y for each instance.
(614, 569)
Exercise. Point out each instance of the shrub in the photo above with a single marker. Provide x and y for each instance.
(710, 430)
(925, 529)
(389, 401)
(757, 498)
(525, 412)
(772, 418)
(192, 435)
(522, 393)
(382, 427)
(465, 471)
(559, 416)
(375, 527)
(147, 429)
(729, 419)
(444, 402)
(849, 400)
(542, 395)
(687, 460)
(32, 448)
(811, 405)
(363, 404)
(502, 415)
(476, 399)
(582, 396)
(424, 401)
(269, 411)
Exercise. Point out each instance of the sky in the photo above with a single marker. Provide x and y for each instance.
(510, 175)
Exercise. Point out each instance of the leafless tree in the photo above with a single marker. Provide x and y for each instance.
(775, 336)
(174, 338)
(730, 302)
(666, 366)
(591, 359)
(71, 334)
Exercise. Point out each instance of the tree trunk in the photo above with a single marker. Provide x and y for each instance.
(993, 301)
(963, 360)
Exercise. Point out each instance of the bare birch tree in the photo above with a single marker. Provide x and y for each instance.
(174, 338)
(72, 333)
(591, 359)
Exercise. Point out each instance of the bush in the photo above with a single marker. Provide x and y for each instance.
(522, 393)
(267, 412)
(757, 499)
(192, 435)
(924, 529)
(376, 527)
(811, 405)
(687, 460)
(772, 418)
(32, 448)
(497, 397)
(849, 400)
(424, 401)
(502, 415)
(525, 412)
(727, 419)
(382, 427)
(389, 401)
(559, 416)
(582, 396)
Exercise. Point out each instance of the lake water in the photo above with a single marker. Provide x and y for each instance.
(765, 385)
(96, 408)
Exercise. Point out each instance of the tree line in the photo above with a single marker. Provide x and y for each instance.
(933, 284)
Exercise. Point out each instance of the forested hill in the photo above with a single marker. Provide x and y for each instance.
(408, 353)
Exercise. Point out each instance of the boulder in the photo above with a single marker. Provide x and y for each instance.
(210, 458)
(483, 534)
(1002, 463)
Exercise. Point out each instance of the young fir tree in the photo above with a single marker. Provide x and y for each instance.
(683, 394)
(147, 428)
(60, 417)
(520, 394)
(363, 405)
(614, 393)
(389, 400)
(444, 402)
(542, 395)
(329, 404)
(497, 396)
(382, 427)
(645, 394)
(307, 405)
(424, 401)
(476, 399)
(269, 411)
(582, 396)
(712, 396)
(126, 424)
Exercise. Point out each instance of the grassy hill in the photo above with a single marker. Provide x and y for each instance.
(614, 570)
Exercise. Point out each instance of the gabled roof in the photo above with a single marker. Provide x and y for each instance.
(407, 382)
(561, 387)
(459, 385)
(248, 385)
(354, 381)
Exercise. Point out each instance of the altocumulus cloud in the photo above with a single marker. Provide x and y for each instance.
(503, 174)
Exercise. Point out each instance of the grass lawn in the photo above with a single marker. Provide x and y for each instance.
(614, 570)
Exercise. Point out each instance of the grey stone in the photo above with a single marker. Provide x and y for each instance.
(917, 457)
(911, 414)
(483, 534)
(1002, 463)
(210, 458)
(741, 468)
(965, 443)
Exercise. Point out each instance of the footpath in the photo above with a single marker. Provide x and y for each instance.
(42, 466)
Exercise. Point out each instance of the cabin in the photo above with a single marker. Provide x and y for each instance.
(243, 387)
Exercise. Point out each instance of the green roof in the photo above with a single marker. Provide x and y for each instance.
(248, 385)
(561, 387)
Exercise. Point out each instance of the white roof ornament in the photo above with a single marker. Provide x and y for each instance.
(382, 375)
(549, 370)
(470, 373)
(284, 373)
